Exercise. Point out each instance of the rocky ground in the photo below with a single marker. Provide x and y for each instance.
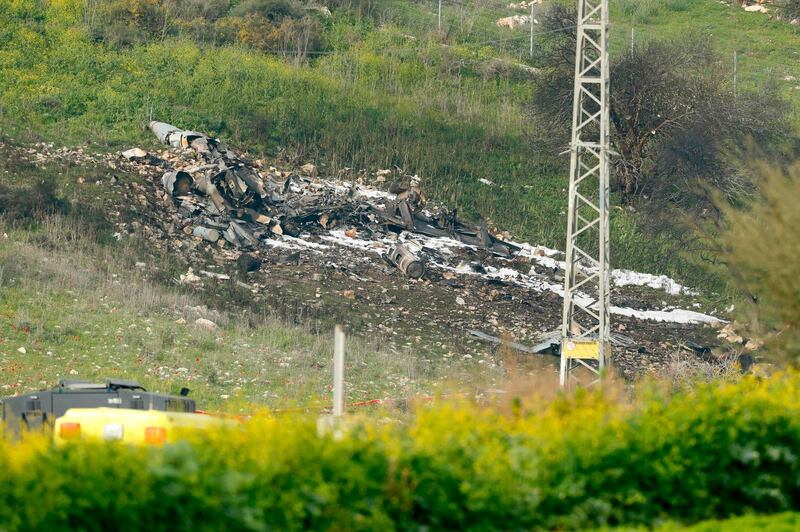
(336, 272)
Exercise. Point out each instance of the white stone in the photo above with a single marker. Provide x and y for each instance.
(203, 323)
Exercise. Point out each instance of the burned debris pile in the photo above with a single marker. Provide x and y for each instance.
(313, 247)
(225, 195)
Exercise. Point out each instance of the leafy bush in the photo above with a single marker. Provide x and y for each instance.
(762, 250)
(718, 451)
(272, 10)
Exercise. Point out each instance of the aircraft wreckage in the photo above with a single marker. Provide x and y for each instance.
(230, 198)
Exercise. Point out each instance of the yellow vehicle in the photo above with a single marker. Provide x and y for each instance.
(151, 427)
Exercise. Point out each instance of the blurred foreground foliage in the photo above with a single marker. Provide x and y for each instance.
(762, 249)
(595, 459)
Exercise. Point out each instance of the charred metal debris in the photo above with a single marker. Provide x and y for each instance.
(228, 196)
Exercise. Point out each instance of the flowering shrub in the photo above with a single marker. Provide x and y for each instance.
(586, 461)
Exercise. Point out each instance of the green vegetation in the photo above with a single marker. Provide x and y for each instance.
(784, 522)
(75, 302)
(380, 86)
(598, 459)
(762, 248)
(373, 86)
(85, 311)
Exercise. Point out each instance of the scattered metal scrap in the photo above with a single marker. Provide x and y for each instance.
(507, 343)
(227, 196)
(308, 276)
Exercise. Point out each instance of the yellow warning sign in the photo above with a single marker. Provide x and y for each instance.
(584, 349)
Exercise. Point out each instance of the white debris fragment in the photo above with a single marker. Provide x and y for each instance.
(22, 350)
(672, 316)
(486, 182)
(338, 236)
(373, 193)
(631, 278)
(288, 242)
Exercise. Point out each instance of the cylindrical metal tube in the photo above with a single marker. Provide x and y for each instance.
(212, 235)
(406, 261)
(177, 183)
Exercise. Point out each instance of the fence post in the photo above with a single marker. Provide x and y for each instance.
(533, 12)
(338, 371)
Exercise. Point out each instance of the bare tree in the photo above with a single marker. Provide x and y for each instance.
(673, 113)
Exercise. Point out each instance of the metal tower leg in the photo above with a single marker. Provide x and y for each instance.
(585, 327)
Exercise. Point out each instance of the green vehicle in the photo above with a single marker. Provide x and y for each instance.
(39, 410)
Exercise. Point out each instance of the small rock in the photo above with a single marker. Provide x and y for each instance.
(134, 153)
(180, 321)
(22, 350)
(205, 324)
(189, 277)
(349, 294)
(753, 344)
(756, 8)
(728, 333)
(350, 232)
(460, 300)
(310, 169)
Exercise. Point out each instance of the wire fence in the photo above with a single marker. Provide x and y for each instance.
(743, 70)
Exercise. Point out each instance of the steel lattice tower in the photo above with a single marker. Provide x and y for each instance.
(585, 326)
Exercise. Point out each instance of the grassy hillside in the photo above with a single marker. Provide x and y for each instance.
(386, 88)
(767, 49)
(383, 88)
